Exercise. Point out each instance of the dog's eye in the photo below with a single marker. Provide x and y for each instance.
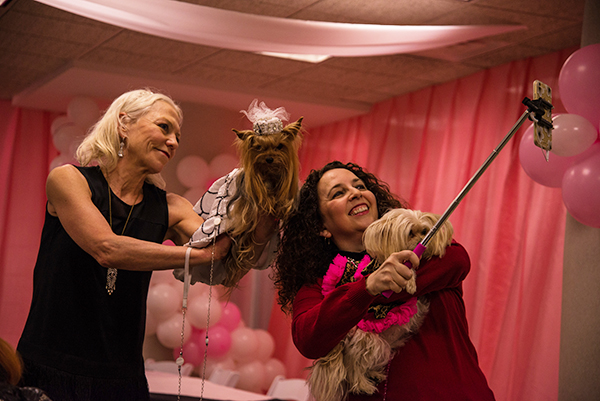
(424, 231)
(280, 146)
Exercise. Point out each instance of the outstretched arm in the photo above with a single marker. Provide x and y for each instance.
(69, 198)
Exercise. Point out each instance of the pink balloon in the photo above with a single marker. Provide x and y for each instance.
(572, 134)
(581, 189)
(252, 376)
(548, 173)
(193, 352)
(244, 345)
(219, 341)
(162, 276)
(230, 316)
(578, 83)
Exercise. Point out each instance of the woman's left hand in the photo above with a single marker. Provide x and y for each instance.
(393, 274)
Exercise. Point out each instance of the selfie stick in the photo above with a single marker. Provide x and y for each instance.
(535, 110)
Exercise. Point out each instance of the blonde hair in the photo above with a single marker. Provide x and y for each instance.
(11, 366)
(101, 144)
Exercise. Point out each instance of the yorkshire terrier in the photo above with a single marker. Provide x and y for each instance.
(266, 186)
(263, 189)
(358, 363)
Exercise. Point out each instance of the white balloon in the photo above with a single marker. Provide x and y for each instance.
(222, 164)
(83, 111)
(163, 301)
(252, 376)
(59, 122)
(65, 135)
(151, 324)
(60, 160)
(192, 171)
(266, 345)
(244, 345)
(273, 367)
(169, 331)
(199, 309)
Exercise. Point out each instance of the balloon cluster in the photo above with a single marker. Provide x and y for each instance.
(231, 344)
(69, 130)
(197, 175)
(574, 163)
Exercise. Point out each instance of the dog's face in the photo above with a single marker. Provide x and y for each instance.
(401, 229)
(271, 157)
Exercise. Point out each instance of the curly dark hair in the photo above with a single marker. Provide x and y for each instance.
(303, 254)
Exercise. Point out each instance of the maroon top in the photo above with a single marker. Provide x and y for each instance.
(438, 363)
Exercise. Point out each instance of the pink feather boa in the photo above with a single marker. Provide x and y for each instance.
(400, 315)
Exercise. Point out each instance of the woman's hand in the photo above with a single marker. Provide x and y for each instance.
(393, 273)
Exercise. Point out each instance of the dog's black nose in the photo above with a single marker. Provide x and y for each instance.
(269, 160)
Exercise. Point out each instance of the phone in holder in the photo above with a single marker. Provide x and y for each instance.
(542, 128)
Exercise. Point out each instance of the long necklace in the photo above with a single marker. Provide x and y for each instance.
(111, 274)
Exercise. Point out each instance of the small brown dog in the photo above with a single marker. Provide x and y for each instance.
(258, 195)
(267, 186)
(357, 364)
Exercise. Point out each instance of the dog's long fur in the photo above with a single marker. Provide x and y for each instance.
(358, 363)
(268, 185)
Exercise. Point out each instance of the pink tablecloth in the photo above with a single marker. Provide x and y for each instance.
(168, 383)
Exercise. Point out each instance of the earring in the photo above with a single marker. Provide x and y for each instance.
(121, 146)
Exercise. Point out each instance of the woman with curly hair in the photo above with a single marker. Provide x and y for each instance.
(324, 235)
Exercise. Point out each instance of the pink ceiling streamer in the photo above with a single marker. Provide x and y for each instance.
(255, 33)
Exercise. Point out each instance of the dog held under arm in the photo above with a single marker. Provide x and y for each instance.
(358, 363)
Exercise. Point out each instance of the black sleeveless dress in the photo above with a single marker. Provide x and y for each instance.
(79, 342)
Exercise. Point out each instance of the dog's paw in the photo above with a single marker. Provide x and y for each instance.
(411, 285)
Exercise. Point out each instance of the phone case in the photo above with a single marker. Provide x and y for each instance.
(543, 135)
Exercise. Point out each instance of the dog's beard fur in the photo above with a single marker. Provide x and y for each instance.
(359, 362)
(268, 185)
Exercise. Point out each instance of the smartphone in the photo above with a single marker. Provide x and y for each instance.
(542, 136)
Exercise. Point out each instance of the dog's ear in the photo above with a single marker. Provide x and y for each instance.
(292, 130)
(243, 135)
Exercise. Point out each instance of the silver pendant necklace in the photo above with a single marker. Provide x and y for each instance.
(111, 274)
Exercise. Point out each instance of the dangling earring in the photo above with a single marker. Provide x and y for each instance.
(121, 146)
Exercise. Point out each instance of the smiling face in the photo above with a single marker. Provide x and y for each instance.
(347, 208)
(153, 139)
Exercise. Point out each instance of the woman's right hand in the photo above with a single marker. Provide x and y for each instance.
(393, 273)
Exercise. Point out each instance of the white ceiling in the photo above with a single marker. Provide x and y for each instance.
(49, 56)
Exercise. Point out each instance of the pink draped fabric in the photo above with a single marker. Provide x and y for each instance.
(427, 145)
(26, 152)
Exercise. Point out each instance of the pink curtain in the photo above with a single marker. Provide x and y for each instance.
(26, 152)
(427, 145)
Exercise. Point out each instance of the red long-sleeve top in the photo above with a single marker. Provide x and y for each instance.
(438, 363)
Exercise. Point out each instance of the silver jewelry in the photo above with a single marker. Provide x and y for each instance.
(111, 274)
(264, 120)
(121, 146)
